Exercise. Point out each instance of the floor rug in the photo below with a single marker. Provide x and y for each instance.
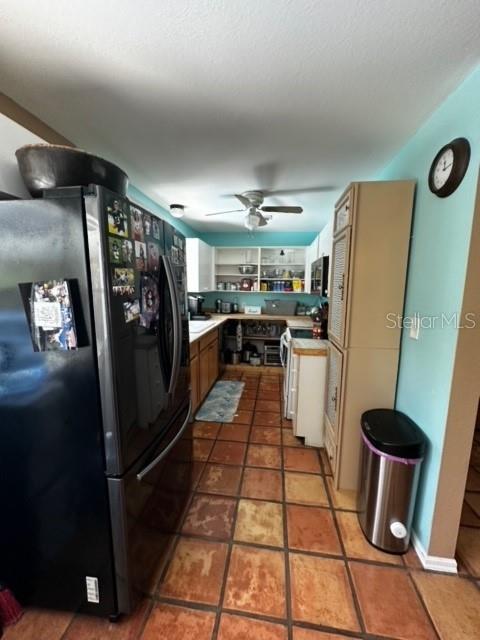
(222, 402)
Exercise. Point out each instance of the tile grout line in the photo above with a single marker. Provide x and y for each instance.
(423, 604)
(288, 584)
(223, 588)
(356, 602)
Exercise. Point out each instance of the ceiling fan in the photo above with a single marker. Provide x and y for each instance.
(253, 206)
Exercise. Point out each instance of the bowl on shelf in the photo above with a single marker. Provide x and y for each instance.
(247, 269)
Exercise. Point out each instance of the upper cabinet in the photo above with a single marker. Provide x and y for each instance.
(340, 271)
(344, 210)
(236, 268)
(200, 266)
(320, 247)
(282, 269)
(277, 269)
(369, 264)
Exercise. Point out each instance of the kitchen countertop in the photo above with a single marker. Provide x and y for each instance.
(309, 347)
(218, 319)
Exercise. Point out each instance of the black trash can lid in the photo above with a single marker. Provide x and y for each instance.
(393, 433)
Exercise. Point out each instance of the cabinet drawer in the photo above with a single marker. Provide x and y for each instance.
(330, 445)
(343, 213)
(208, 339)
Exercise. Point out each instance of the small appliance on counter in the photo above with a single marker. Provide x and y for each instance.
(195, 304)
(226, 307)
(253, 310)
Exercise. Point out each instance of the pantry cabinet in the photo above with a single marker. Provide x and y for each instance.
(371, 238)
(204, 366)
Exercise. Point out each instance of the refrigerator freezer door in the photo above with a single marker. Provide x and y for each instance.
(55, 517)
(136, 322)
(146, 507)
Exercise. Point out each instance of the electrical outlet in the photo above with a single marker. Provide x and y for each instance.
(415, 328)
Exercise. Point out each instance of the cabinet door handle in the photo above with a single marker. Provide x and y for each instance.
(334, 399)
(342, 286)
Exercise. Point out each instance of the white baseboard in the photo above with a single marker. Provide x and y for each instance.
(433, 563)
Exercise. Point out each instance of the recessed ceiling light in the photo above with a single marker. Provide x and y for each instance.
(177, 210)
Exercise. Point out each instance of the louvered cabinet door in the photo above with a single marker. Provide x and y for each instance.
(332, 404)
(334, 380)
(338, 288)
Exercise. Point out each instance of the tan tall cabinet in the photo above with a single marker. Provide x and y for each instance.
(371, 240)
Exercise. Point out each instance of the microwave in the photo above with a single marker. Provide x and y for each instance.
(319, 283)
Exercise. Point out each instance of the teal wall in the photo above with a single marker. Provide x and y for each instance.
(154, 207)
(260, 239)
(436, 278)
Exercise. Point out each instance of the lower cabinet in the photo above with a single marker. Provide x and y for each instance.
(212, 362)
(204, 367)
(203, 371)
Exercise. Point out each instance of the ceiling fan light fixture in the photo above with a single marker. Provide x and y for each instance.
(177, 210)
(252, 220)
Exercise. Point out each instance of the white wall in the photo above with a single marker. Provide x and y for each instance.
(13, 136)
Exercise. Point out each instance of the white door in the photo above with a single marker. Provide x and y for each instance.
(338, 288)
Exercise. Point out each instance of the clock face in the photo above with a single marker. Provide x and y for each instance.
(449, 167)
(443, 168)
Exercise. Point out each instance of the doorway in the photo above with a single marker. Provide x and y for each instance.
(468, 543)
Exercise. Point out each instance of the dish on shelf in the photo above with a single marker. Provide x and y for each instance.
(247, 269)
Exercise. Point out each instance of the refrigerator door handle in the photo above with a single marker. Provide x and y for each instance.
(146, 470)
(177, 324)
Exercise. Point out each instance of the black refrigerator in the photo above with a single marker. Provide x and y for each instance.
(95, 450)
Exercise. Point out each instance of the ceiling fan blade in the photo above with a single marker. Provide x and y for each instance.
(282, 209)
(245, 201)
(220, 213)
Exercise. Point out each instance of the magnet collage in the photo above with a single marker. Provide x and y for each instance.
(134, 260)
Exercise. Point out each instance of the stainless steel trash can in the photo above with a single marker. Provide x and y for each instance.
(392, 453)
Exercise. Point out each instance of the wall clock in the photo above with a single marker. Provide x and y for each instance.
(449, 167)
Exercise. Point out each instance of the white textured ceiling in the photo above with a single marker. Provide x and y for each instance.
(190, 96)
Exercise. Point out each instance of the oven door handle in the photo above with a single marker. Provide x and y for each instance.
(151, 465)
(283, 345)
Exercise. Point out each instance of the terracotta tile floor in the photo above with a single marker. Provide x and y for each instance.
(268, 550)
(468, 544)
